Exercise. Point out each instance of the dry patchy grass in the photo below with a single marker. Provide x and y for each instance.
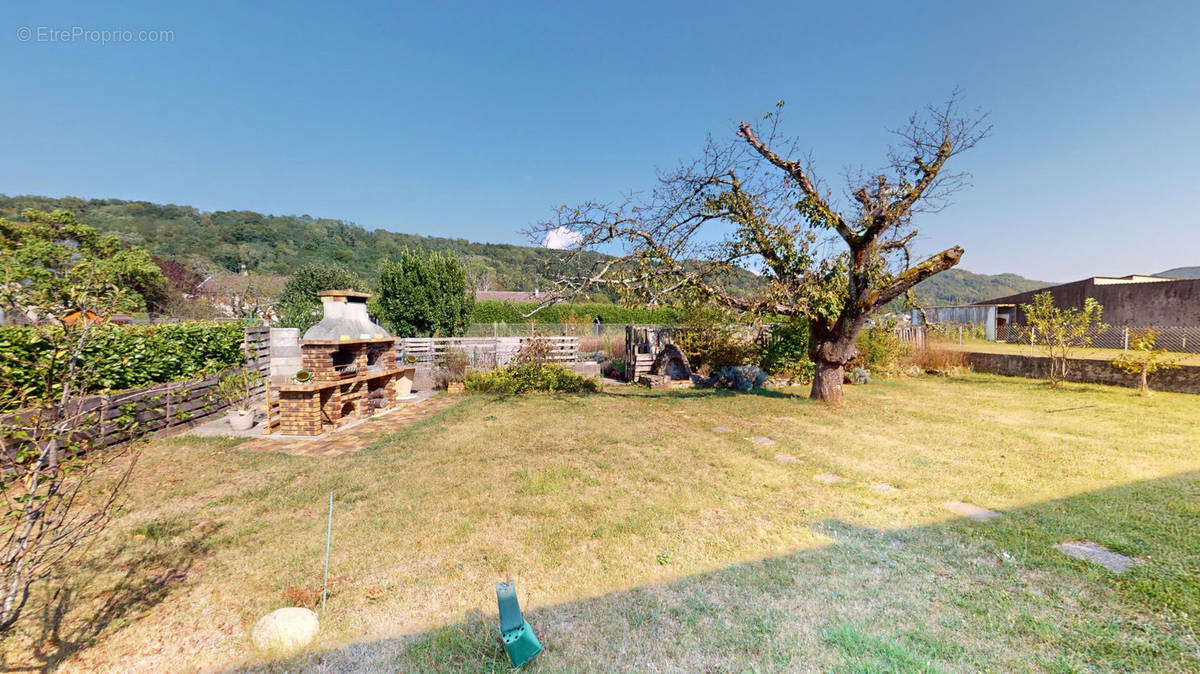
(641, 539)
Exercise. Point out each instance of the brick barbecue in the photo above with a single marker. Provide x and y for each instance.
(352, 361)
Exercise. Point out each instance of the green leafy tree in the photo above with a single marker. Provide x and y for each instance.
(54, 260)
(298, 305)
(1059, 331)
(423, 294)
(1143, 359)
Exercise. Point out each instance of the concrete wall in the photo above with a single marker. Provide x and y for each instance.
(1185, 379)
(285, 352)
(1158, 303)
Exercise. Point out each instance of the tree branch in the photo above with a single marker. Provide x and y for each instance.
(914, 275)
(798, 174)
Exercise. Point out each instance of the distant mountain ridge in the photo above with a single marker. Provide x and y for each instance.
(278, 244)
(959, 286)
(1181, 272)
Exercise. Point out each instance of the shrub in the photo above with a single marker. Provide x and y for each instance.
(236, 389)
(423, 294)
(786, 354)
(879, 350)
(535, 351)
(529, 377)
(741, 377)
(933, 360)
(453, 369)
(299, 306)
(711, 336)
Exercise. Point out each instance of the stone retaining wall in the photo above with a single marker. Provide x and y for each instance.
(1184, 379)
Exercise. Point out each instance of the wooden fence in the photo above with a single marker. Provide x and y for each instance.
(114, 418)
(913, 335)
(483, 352)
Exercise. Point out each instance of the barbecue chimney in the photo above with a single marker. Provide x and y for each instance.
(345, 318)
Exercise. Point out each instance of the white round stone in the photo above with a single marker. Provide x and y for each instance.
(285, 629)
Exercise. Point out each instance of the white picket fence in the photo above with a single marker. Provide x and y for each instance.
(483, 352)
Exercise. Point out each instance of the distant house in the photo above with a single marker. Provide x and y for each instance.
(241, 295)
(76, 317)
(1134, 301)
(512, 295)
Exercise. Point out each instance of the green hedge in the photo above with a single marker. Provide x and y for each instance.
(127, 356)
(495, 311)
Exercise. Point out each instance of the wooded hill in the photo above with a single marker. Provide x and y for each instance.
(277, 244)
(1181, 272)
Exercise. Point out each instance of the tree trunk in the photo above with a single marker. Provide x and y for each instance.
(827, 382)
(830, 350)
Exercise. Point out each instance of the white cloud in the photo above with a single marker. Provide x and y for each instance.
(561, 238)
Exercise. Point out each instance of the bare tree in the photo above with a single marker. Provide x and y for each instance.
(744, 205)
(57, 495)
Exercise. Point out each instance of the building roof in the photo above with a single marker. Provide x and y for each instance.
(1130, 279)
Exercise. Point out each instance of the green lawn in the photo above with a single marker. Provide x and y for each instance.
(984, 346)
(642, 540)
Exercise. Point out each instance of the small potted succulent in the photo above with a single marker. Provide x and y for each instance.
(236, 390)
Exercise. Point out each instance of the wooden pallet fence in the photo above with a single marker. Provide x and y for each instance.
(482, 352)
(114, 418)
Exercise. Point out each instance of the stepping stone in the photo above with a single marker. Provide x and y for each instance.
(829, 478)
(722, 429)
(884, 488)
(786, 458)
(1096, 554)
(972, 511)
(761, 440)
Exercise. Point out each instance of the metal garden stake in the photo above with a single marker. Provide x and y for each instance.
(328, 539)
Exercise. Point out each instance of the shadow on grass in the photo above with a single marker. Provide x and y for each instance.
(79, 608)
(956, 595)
(697, 392)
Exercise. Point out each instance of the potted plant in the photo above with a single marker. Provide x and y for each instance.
(455, 370)
(404, 382)
(236, 391)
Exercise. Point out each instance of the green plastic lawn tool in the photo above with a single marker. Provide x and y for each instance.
(520, 642)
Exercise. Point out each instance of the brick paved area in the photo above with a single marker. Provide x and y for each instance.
(350, 440)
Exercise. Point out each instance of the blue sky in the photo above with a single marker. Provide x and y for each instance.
(475, 120)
